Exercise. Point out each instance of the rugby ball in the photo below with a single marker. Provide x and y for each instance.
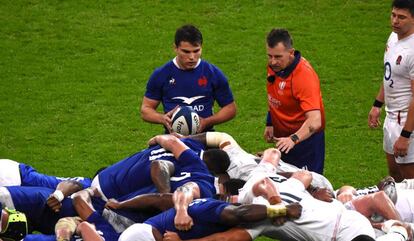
(185, 121)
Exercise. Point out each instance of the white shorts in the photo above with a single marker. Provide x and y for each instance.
(392, 131)
(95, 184)
(9, 173)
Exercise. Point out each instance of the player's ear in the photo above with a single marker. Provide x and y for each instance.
(292, 51)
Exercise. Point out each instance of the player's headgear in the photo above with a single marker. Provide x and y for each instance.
(16, 228)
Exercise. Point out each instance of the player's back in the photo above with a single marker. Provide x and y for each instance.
(134, 172)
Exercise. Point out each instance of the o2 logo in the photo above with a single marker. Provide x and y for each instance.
(387, 74)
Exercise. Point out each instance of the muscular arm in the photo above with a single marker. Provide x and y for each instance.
(303, 176)
(161, 171)
(82, 203)
(169, 143)
(182, 197)
(375, 112)
(234, 215)
(149, 113)
(161, 201)
(311, 125)
(376, 203)
(66, 188)
(226, 113)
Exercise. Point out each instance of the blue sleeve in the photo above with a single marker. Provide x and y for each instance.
(39, 237)
(268, 119)
(154, 86)
(188, 156)
(207, 210)
(222, 91)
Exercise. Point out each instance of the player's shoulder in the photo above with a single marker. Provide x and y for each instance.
(210, 68)
(163, 70)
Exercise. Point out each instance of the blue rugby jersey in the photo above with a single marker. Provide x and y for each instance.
(133, 173)
(205, 214)
(30, 177)
(32, 202)
(197, 88)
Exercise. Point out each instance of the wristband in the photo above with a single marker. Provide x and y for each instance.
(377, 103)
(405, 133)
(58, 195)
(278, 210)
(294, 138)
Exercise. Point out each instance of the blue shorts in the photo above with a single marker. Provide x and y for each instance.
(308, 154)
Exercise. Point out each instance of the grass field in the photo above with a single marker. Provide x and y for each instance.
(73, 74)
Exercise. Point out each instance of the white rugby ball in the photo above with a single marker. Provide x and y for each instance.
(185, 121)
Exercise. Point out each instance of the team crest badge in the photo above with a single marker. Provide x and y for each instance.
(398, 62)
(202, 81)
(172, 81)
(282, 85)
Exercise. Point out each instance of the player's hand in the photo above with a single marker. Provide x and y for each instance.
(322, 194)
(183, 221)
(54, 203)
(203, 124)
(113, 204)
(284, 144)
(268, 134)
(171, 236)
(153, 141)
(374, 117)
(167, 119)
(401, 146)
(293, 211)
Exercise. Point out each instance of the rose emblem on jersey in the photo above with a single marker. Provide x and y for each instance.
(202, 81)
(398, 61)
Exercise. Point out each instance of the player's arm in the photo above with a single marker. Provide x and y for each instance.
(233, 234)
(226, 113)
(63, 189)
(375, 112)
(82, 202)
(312, 124)
(234, 215)
(182, 197)
(160, 201)
(161, 171)
(305, 177)
(378, 203)
(403, 141)
(149, 113)
(170, 143)
(214, 139)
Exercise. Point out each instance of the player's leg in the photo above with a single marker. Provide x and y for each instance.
(393, 169)
(406, 170)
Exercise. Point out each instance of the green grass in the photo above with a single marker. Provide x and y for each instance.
(73, 74)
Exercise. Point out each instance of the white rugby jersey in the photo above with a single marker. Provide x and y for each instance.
(398, 74)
